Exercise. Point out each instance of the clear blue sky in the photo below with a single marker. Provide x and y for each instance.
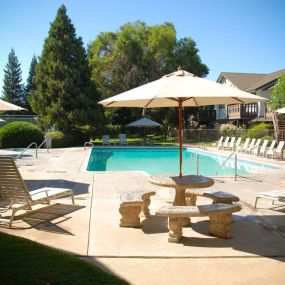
(232, 35)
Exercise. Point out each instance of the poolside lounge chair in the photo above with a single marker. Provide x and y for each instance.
(251, 146)
(256, 149)
(275, 195)
(219, 143)
(106, 140)
(230, 144)
(15, 194)
(244, 146)
(123, 139)
(225, 143)
(276, 152)
(263, 151)
(234, 146)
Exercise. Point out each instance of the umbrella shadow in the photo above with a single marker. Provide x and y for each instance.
(41, 219)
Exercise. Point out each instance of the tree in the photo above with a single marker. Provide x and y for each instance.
(278, 94)
(13, 90)
(65, 96)
(30, 85)
(138, 54)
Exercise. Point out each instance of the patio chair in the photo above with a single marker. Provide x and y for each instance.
(106, 140)
(251, 146)
(276, 152)
(275, 195)
(230, 144)
(256, 149)
(123, 139)
(15, 194)
(234, 146)
(263, 151)
(244, 146)
(219, 143)
(225, 143)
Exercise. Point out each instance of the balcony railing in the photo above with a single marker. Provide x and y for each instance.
(242, 111)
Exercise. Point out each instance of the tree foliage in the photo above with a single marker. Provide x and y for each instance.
(30, 86)
(64, 95)
(13, 90)
(278, 94)
(138, 54)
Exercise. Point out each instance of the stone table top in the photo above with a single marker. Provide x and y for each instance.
(187, 181)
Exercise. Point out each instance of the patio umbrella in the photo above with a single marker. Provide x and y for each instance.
(281, 111)
(6, 106)
(143, 123)
(180, 89)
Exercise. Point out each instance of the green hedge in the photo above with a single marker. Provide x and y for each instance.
(19, 135)
(76, 138)
(260, 131)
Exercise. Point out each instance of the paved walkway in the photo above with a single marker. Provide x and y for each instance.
(90, 229)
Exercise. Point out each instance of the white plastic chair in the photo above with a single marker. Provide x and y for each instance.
(251, 145)
(106, 140)
(225, 143)
(244, 146)
(256, 149)
(123, 139)
(276, 152)
(263, 151)
(231, 143)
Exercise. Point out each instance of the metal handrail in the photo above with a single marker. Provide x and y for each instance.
(33, 143)
(88, 143)
(197, 162)
(235, 167)
(44, 141)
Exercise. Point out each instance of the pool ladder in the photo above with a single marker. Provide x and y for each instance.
(221, 166)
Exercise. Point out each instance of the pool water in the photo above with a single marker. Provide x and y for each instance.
(166, 160)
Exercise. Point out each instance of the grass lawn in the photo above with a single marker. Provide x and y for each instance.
(25, 262)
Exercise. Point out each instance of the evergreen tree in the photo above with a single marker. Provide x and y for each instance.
(13, 89)
(64, 95)
(30, 85)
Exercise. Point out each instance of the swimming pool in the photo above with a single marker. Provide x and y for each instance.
(154, 160)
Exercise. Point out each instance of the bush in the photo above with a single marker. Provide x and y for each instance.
(230, 130)
(19, 134)
(260, 130)
(76, 138)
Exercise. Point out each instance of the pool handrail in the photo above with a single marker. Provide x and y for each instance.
(235, 155)
(33, 143)
(88, 143)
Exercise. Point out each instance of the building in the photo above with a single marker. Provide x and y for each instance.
(255, 83)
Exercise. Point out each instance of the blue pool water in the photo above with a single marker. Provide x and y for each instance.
(166, 160)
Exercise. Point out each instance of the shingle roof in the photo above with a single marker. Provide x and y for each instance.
(265, 80)
(241, 80)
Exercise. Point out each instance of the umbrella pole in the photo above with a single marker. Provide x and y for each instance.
(180, 137)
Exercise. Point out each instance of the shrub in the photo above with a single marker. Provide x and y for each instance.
(19, 134)
(59, 139)
(260, 130)
(230, 130)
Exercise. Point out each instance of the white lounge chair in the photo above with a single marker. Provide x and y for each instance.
(106, 140)
(250, 147)
(256, 149)
(225, 143)
(123, 139)
(275, 195)
(219, 143)
(263, 151)
(235, 145)
(230, 143)
(276, 152)
(15, 194)
(244, 146)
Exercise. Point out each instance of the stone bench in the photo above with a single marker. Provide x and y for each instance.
(132, 203)
(220, 217)
(216, 196)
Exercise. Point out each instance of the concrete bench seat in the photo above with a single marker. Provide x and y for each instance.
(132, 203)
(220, 217)
(216, 196)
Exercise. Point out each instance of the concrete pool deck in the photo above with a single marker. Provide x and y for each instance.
(90, 229)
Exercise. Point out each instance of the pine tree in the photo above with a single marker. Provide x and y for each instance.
(64, 95)
(30, 85)
(13, 89)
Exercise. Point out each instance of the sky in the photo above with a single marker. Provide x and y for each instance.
(231, 35)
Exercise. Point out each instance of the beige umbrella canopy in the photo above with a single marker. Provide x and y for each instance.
(180, 89)
(6, 106)
(281, 111)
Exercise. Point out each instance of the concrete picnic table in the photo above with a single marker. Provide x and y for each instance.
(180, 184)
